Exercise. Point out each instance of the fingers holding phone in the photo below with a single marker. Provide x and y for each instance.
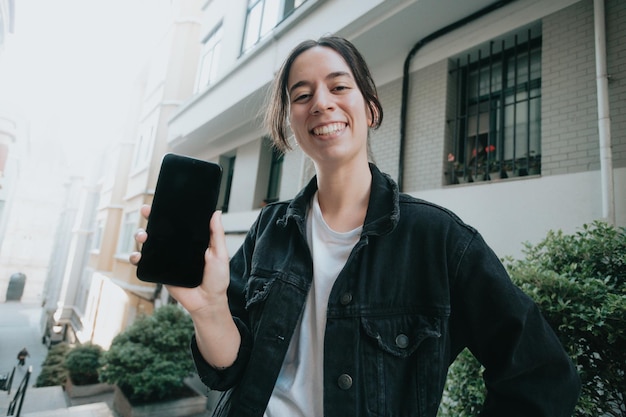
(140, 236)
(215, 277)
(216, 274)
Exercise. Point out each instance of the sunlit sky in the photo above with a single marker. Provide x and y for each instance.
(69, 67)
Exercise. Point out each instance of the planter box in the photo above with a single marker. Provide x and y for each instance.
(188, 406)
(78, 391)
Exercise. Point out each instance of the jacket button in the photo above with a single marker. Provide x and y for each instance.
(346, 298)
(402, 341)
(344, 381)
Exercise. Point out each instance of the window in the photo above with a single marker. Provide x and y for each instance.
(143, 148)
(276, 169)
(98, 235)
(497, 126)
(126, 243)
(263, 16)
(210, 57)
(228, 168)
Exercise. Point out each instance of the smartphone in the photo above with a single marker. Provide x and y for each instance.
(185, 198)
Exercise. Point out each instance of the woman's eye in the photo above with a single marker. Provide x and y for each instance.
(301, 97)
(341, 88)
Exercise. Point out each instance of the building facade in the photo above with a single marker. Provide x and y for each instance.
(93, 293)
(512, 114)
(471, 94)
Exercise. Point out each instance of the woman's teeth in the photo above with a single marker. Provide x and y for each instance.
(328, 129)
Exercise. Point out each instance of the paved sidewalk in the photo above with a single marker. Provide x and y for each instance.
(20, 326)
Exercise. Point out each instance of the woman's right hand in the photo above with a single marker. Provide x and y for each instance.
(216, 274)
(217, 336)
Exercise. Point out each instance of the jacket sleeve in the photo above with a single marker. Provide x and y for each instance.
(527, 371)
(224, 379)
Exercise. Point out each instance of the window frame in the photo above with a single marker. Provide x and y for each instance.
(228, 165)
(144, 146)
(275, 176)
(262, 28)
(126, 241)
(98, 236)
(209, 58)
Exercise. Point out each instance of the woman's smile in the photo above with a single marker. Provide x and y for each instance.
(331, 129)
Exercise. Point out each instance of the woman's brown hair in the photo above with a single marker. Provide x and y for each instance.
(277, 108)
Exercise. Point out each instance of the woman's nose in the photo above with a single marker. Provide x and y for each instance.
(322, 101)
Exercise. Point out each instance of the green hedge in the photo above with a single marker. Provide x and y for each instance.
(579, 282)
(83, 364)
(150, 359)
(53, 371)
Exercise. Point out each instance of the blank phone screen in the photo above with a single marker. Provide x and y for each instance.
(185, 198)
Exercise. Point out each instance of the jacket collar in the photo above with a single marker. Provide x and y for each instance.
(382, 212)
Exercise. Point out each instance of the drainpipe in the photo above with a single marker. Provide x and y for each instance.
(407, 65)
(604, 119)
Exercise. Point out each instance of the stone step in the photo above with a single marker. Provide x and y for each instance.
(36, 399)
(52, 402)
(86, 410)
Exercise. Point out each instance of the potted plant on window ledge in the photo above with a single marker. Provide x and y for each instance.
(534, 164)
(507, 170)
(529, 165)
(454, 171)
(499, 170)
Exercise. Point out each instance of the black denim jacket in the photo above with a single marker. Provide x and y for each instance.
(418, 287)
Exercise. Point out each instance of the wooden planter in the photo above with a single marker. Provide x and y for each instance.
(78, 391)
(188, 406)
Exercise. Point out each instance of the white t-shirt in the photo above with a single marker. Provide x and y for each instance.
(299, 390)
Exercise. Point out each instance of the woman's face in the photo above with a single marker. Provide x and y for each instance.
(328, 114)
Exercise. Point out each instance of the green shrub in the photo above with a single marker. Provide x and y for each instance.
(53, 371)
(579, 283)
(465, 391)
(83, 364)
(151, 358)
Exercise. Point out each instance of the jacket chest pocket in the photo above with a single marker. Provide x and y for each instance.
(275, 300)
(402, 364)
(258, 291)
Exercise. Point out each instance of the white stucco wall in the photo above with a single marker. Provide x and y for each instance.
(515, 211)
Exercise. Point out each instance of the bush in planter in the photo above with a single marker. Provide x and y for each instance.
(83, 364)
(579, 282)
(150, 359)
(53, 371)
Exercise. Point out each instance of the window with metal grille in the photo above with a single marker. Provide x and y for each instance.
(263, 16)
(497, 126)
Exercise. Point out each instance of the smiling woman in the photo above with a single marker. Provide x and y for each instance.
(353, 298)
